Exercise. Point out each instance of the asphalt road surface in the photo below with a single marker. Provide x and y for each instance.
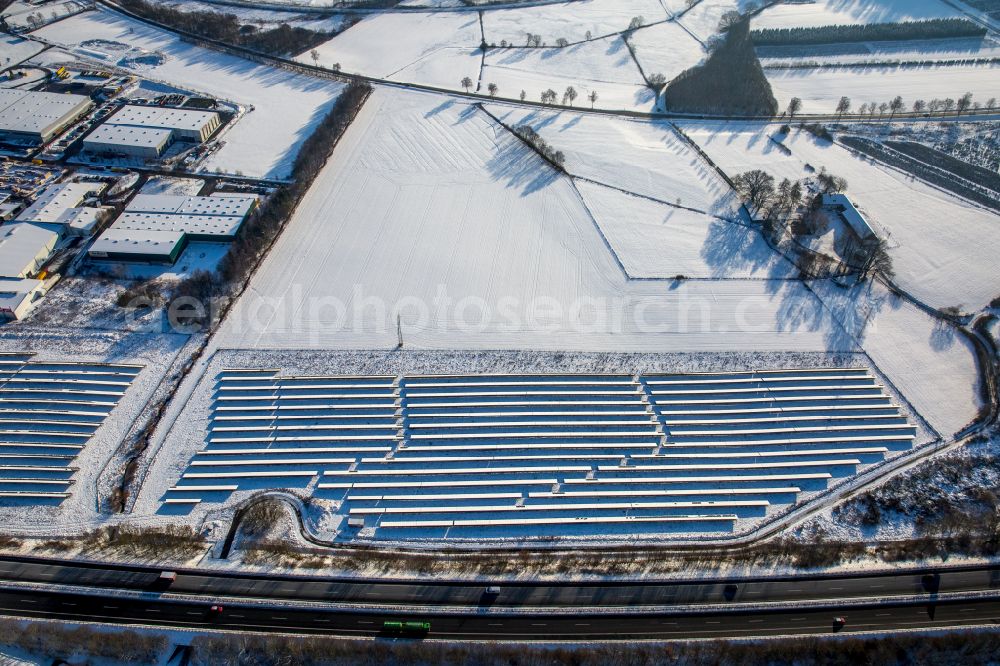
(565, 625)
(514, 595)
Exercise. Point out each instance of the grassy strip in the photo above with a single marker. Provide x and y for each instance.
(872, 32)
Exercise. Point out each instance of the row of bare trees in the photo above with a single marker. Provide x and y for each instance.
(548, 96)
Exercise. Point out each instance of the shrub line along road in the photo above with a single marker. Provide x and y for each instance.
(801, 604)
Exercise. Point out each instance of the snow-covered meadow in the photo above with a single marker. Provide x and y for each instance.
(821, 88)
(280, 108)
(851, 12)
(433, 210)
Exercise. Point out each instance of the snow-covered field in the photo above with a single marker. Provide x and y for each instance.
(14, 50)
(385, 45)
(702, 20)
(851, 12)
(939, 50)
(821, 88)
(931, 364)
(571, 21)
(653, 240)
(431, 209)
(281, 108)
(666, 49)
(647, 157)
(604, 66)
(943, 248)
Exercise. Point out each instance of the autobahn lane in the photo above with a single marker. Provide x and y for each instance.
(601, 594)
(561, 625)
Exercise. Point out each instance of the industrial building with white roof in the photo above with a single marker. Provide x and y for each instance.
(39, 116)
(58, 208)
(147, 131)
(157, 227)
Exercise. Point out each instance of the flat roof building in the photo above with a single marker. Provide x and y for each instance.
(157, 227)
(57, 208)
(161, 247)
(39, 116)
(24, 249)
(147, 131)
(213, 218)
(18, 296)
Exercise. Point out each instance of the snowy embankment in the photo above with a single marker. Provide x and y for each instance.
(282, 108)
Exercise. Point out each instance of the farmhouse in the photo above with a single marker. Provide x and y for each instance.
(147, 131)
(37, 117)
(852, 216)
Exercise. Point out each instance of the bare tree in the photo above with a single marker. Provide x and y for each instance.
(549, 96)
(756, 187)
(570, 95)
(592, 97)
(919, 106)
(562, 42)
(843, 106)
(729, 19)
(991, 102)
(466, 83)
(948, 104)
(896, 105)
(794, 106)
(656, 81)
(314, 54)
(882, 108)
(523, 95)
(964, 102)
(588, 35)
(636, 23)
(493, 89)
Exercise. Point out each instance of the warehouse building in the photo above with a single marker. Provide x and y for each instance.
(58, 208)
(147, 131)
(38, 117)
(157, 247)
(24, 249)
(18, 296)
(157, 227)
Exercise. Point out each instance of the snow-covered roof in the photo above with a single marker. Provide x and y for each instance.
(130, 136)
(37, 112)
(851, 215)
(198, 216)
(129, 241)
(21, 244)
(56, 203)
(162, 118)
